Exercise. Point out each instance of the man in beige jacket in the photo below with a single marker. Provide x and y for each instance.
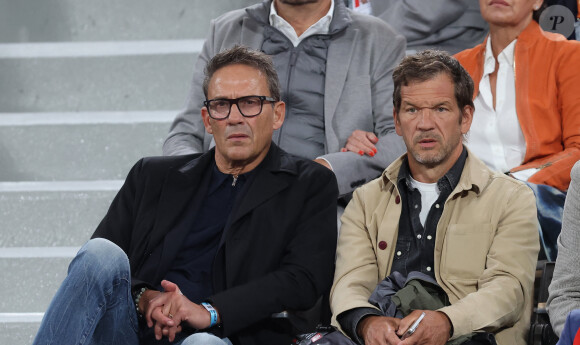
(437, 210)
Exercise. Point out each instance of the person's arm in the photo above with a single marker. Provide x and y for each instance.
(144, 182)
(350, 319)
(555, 168)
(351, 169)
(565, 287)
(117, 225)
(305, 271)
(187, 131)
(504, 289)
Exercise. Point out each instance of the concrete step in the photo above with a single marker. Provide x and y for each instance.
(32, 282)
(18, 332)
(74, 82)
(78, 146)
(52, 214)
(85, 20)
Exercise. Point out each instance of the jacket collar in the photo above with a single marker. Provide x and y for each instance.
(185, 188)
(183, 182)
(272, 176)
(260, 12)
(475, 176)
(277, 160)
(527, 39)
(340, 18)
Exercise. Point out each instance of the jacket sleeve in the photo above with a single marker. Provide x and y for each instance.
(504, 289)
(565, 287)
(351, 169)
(417, 19)
(555, 168)
(357, 273)
(305, 270)
(118, 224)
(187, 131)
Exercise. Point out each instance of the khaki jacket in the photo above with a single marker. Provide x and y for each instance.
(485, 250)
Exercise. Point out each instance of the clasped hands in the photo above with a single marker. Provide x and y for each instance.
(167, 311)
(382, 330)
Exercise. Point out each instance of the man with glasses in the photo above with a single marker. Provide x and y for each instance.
(335, 69)
(204, 248)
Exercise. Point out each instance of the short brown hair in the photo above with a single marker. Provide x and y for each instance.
(244, 56)
(427, 65)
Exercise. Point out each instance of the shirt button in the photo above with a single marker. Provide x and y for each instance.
(416, 206)
(419, 236)
(382, 245)
(397, 199)
(399, 253)
(429, 237)
(429, 268)
(436, 205)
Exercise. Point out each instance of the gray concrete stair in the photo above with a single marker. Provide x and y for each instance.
(16, 331)
(101, 20)
(78, 146)
(52, 214)
(33, 281)
(123, 82)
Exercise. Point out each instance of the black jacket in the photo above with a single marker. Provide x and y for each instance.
(278, 248)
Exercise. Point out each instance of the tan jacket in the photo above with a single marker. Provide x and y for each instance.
(485, 250)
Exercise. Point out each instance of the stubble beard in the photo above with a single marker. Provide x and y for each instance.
(431, 157)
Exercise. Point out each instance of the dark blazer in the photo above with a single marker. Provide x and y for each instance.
(278, 248)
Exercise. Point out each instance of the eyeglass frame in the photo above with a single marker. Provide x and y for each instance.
(235, 101)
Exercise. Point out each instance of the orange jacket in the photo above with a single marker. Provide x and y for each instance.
(547, 73)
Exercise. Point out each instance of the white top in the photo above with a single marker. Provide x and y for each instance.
(322, 26)
(429, 194)
(496, 136)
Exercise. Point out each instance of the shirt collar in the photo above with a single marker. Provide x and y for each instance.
(449, 180)
(322, 26)
(506, 56)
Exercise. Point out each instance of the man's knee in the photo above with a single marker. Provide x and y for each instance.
(100, 256)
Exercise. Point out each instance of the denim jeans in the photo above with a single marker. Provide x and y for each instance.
(550, 204)
(94, 303)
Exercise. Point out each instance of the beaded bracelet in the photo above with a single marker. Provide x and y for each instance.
(212, 313)
(138, 298)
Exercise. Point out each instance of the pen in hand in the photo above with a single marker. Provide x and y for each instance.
(413, 327)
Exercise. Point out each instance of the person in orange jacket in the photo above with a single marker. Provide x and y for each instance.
(527, 109)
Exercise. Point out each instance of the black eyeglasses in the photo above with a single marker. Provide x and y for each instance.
(249, 106)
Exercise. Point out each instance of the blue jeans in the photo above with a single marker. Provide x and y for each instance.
(550, 204)
(94, 303)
